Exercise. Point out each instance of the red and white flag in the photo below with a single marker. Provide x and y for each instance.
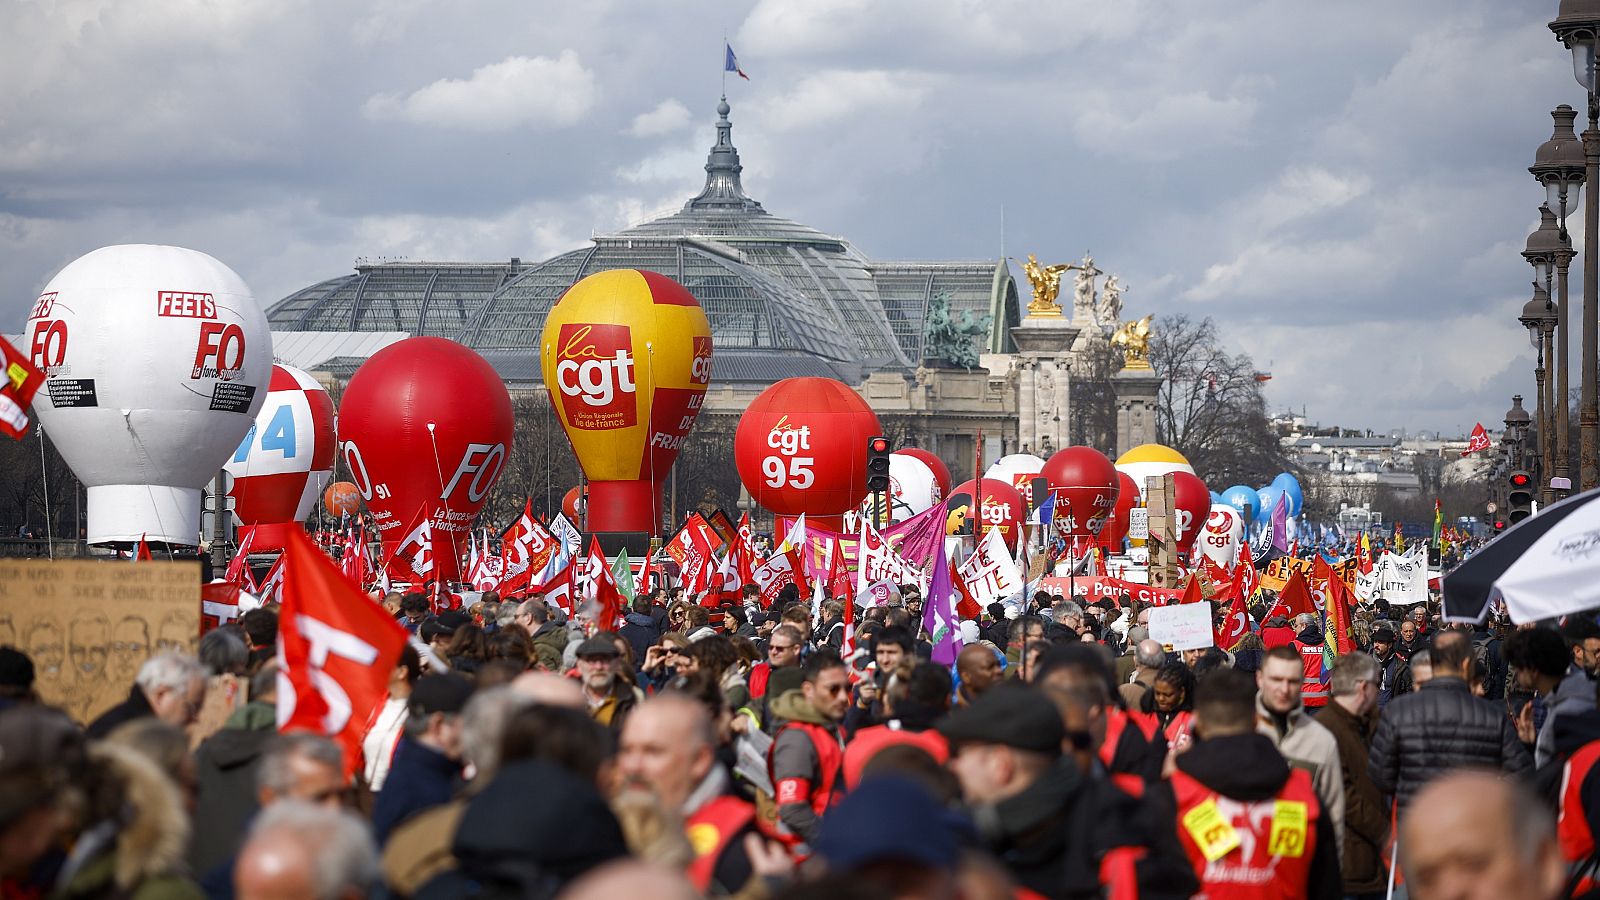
(413, 558)
(19, 381)
(357, 563)
(1478, 441)
(238, 572)
(271, 589)
(336, 650)
(600, 588)
(1234, 626)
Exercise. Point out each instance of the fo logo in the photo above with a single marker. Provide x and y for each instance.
(220, 351)
(594, 373)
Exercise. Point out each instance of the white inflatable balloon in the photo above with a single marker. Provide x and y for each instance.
(1220, 539)
(1017, 470)
(158, 359)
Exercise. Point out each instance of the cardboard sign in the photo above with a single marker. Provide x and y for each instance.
(1183, 626)
(1138, 524)
(90, 624)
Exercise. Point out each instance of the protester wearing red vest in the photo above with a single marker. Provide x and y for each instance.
(1579, 815)
(668, 748)
(1251, 825)
(807, 756)
(783, 651)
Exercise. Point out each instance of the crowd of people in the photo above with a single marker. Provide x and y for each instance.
(757, 752)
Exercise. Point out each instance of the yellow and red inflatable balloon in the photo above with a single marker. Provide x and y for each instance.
(626, 356)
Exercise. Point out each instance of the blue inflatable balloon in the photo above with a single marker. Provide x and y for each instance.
(1243, 499)
(1290, 486)
(1269, 500)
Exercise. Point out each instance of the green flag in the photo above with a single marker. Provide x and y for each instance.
(622, 571)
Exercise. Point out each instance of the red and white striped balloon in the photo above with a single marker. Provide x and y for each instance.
(281, 466)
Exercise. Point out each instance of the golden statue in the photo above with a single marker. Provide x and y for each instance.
(1134, 339)
(1046, 281)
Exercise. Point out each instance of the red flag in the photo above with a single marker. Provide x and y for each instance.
(219, 605)
(1478, 441)
(1295, 596)
(237, 570)
(747, 554)
(1192, 592)
(19, 381)
(336, 648)
(1235, 626)
(645, 572)
(271, 589)
(601, 587)
(966, 608)
(1245, 574)
(1340, 600)
(357, 564)
(143, 550)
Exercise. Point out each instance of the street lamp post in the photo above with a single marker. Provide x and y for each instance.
(1539, 317)
(1558, 166)
(1577, 25)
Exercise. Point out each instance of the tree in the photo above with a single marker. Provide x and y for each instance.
(1210, 406)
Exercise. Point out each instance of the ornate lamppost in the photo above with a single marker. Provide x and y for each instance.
(1559, 166)
(1577, 25)
(1539, 317)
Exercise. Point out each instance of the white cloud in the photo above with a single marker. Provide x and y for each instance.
(1161, 127)
(668, 117)
(836, 95)
(513, 93)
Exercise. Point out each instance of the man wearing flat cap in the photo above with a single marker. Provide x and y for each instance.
(610, 698)
(1060, 832)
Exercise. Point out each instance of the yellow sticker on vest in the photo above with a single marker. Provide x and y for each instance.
(703, 838)
(1211, 832)
(1288, 836)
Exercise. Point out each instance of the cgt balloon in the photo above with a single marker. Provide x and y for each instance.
(425, 430)
(1085, 486)
(626, 356)
(801, 447)
(277, 473)
(999, 509)
(342, 499)
(157, 360)
(1191, 503)
(1222, 534)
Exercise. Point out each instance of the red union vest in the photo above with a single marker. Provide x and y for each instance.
(1572, 826)
(1313, 693)
(1249, 851)
(825, 790)
(710, 830)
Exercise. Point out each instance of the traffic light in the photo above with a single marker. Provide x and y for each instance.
(1499, 525)
(1519, 496)
(877, 465)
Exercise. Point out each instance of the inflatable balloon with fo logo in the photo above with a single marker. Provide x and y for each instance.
(157, 360)
(425, 430)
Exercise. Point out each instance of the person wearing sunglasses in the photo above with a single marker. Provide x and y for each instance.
(807, 758)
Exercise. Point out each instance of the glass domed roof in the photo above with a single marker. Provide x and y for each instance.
(791, 298)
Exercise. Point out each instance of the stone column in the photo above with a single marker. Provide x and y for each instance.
(1044, 390)
(1136, 408)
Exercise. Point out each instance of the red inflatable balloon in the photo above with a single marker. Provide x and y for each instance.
(1116, 527)
(1084, 483)
(1001, 508)
(801, 447)
(572, 506)
(425, 429)
(1191, 501)
(941, 472)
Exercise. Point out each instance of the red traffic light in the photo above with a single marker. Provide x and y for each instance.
(880, 445)
(1499, 525)
(1520, 479)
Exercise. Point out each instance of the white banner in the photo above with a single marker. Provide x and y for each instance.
(1182, 626)
(1401, 580)
(990, 573)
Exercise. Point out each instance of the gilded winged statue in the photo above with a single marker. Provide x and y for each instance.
(1046, 282)
(1134, 339)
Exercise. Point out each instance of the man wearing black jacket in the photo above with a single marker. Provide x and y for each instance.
(1061, 833)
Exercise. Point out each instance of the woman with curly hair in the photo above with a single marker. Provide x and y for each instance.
(1171, 701)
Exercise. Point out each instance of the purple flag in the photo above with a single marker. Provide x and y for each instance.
(939, 612)
(1280, 524)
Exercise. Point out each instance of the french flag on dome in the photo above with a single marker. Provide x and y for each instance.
(731, 63)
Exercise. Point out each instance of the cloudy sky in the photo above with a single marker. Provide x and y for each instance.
(1342, 186)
